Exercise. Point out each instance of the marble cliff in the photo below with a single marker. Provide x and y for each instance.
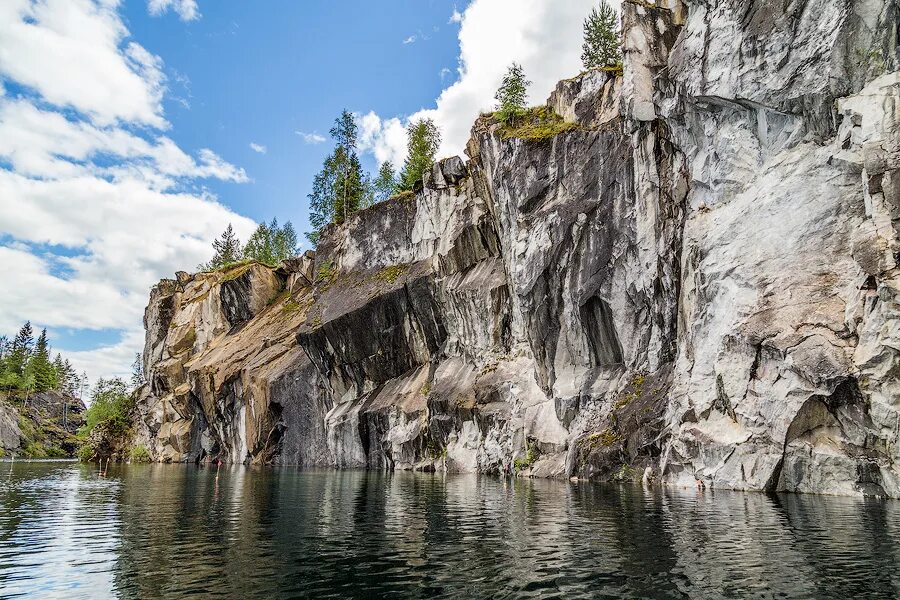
(694, 282)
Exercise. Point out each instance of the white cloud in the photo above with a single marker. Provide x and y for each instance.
(73, 53)
(258, 148)
(410, 40)
(97, 204)
(456, 17)
(543, 35)
(311, 138)
(113, 360)
(385, 138)
(187, 10)
(42, 143)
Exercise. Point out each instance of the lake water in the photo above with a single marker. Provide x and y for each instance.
(176, 531)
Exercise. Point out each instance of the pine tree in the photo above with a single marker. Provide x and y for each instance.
(423, 141)
(20, 350)
(59, 370)
(385, 185)
(602, 43)
(227, 250)
(70, 379)
(39, 365)
(512, 95)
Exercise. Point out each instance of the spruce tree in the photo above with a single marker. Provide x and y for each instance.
(512, 95)
(59, 370)
(227, 250)
(39, 365)
(385, 185)
(423, 141)
(70, 380)
(20, 350)
(602, 43)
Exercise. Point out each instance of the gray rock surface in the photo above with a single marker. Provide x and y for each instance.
(695, 283)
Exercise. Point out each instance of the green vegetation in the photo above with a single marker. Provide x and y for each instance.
(403, 196)
(632, 392)
(227, 250)
(604, 439)
(270, 244)
(531, 456)
(517, 121)
(391, 274)
(536, 124)
(602, 40)
(85, 453)
(423, 141)
(512, 95)
(236, 270)
(385, 184)
(111, 405)
(626, 473)
(340, 188)
(139, 454)
(325, 272)
(26, 368)
(109, 414)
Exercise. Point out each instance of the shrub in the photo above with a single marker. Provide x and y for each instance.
(140, 454)
(85, 453)
(536, 124)
(531, 455)
(111, 406)
(512, 94)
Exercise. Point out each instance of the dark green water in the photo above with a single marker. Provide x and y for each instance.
(173, 531)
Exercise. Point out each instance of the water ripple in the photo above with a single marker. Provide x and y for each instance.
(174, 531)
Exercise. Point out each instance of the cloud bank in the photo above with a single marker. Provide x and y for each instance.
(98, 203)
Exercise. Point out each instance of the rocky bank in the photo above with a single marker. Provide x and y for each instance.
(694, 282)
(40, 425)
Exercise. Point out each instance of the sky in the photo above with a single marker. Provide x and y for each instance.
(132, 132)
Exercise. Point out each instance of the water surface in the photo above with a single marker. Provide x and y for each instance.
(176, 531)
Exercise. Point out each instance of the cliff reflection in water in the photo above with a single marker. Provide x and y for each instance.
(173, 531)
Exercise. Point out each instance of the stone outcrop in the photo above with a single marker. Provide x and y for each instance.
(40, 425)
(695, 282)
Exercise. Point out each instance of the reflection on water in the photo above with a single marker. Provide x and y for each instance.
(174, 531)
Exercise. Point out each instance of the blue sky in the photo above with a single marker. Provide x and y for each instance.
(259, 76)
(132, 132)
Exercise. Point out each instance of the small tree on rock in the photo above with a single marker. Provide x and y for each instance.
(512, 95)
(423, 141)
(227, 250)
(137, 371)
(385, 184)
(602, 43)
(39, 365)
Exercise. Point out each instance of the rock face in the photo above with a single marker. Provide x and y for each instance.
(40, 425)
(695, 282)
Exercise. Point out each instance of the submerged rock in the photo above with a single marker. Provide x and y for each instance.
(691, 278)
